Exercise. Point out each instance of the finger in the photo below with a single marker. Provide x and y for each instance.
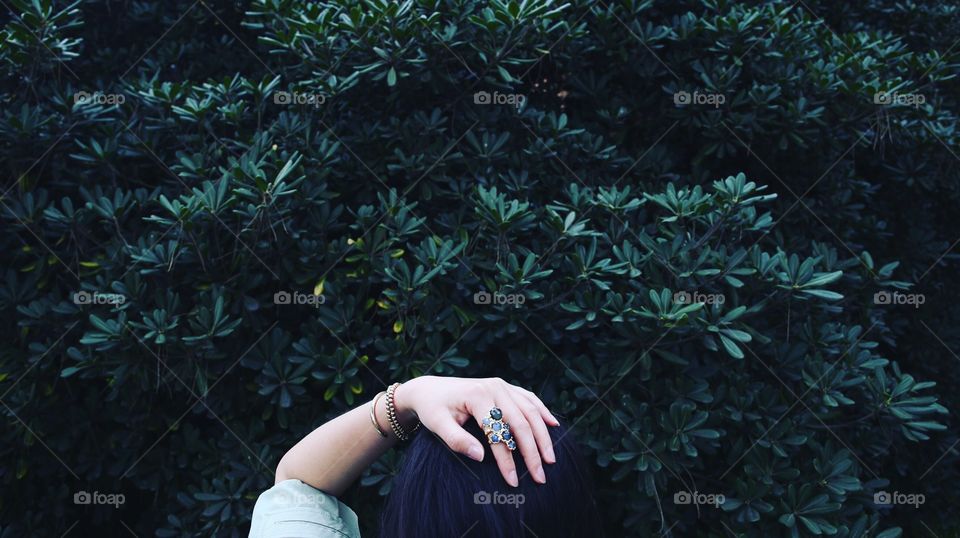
(458, 439)
(536, 421)
(480, 409)
(523, 435)
(544, 412)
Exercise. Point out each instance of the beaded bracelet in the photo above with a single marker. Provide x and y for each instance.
(392, 416)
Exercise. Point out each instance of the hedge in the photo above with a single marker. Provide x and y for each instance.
(717, 236)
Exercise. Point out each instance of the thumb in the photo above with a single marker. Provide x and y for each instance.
(458, 439)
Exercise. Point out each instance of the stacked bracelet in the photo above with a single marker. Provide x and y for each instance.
(392, 416)
(373, 415)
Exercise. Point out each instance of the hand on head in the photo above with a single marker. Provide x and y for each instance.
(445, 404)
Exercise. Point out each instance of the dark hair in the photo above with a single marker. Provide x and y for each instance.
(440, 493)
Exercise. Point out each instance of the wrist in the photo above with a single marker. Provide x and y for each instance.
(404, 403)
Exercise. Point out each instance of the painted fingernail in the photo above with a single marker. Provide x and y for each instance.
(476, 453)
(512, 479)
(540, 475)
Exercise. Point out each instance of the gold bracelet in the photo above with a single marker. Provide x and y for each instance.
(373, 415)
(392, 416)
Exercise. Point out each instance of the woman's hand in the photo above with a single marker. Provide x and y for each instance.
(444, 404)
(332, 456)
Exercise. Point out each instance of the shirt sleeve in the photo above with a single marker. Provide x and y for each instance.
(292, 509)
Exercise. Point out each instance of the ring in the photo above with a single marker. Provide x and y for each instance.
(497, 430)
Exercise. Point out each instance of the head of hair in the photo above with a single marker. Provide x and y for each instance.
(440, 493)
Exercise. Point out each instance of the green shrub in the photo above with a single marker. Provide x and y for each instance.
(696, 281)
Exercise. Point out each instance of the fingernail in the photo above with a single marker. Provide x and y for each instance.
(476, 453)
(551, 457)
(512, 479)
(540, 475)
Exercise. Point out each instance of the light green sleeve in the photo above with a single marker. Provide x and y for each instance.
(294, 509)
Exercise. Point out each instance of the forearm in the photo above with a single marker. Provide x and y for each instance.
(332, 456)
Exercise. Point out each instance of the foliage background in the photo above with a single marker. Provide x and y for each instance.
(400, 197)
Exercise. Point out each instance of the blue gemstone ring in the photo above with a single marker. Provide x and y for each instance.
(497, 430)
